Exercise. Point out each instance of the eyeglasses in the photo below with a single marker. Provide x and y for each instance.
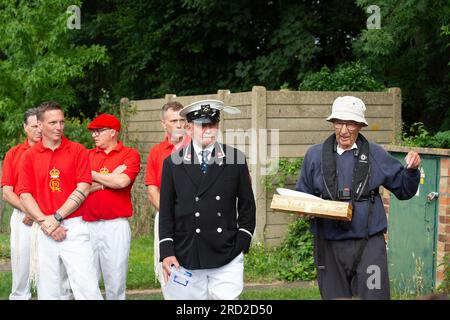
(97, 132)
(351, 125)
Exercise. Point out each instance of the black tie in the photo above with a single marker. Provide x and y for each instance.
(204, 165)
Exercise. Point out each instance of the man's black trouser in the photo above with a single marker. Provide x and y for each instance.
(370, 281)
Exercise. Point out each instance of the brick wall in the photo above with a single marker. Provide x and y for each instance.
(443, 243)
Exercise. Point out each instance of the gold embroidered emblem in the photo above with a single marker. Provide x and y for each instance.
(104, 170)
(55, 181)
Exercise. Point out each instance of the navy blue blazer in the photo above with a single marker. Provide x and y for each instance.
(206, 220)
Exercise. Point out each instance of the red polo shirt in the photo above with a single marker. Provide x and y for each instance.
(51, 176)
(156, 158)
(10, 172)
(112, 203)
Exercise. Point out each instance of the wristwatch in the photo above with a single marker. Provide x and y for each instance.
(58, 217)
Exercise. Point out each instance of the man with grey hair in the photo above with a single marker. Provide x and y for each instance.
(175, 138)
(20, 221)
(346, 167)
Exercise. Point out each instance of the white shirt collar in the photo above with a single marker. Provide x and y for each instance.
(340, 151)
(198, 149)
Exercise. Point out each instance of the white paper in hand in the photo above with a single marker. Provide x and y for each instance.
(179, 283)
(297, 194)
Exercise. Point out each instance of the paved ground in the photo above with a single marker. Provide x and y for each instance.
(5, 265)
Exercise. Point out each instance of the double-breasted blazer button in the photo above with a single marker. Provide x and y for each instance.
(219, 230)
(197, 199)
(197, 230)
(197, 214)
(217, 197)
(219, 214)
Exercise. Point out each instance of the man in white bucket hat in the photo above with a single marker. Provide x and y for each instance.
(346, 167)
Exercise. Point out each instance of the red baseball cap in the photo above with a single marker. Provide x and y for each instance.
(105, 121)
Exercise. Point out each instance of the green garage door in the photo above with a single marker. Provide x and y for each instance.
(412, 234)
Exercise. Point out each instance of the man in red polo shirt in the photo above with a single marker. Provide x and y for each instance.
(54, 180)
(20, 222)
(108, 207)
(175, 138)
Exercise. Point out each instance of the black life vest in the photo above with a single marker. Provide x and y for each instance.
(361, 170)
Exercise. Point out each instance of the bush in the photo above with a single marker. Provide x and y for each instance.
(298, 248)
(76, 130)
(291, 261)
(444, 287)
(294, 258)
(418, 136)
(346, 77)
(287, 169)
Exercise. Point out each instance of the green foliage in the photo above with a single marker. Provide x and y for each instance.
(122, 111)
(346, 77)
(198, 46)
(5, 251)
(441, 140)
(107, 105)
(75, 129)
(294, 259)
(291, 261)
(263, 264)
(298, 250)
(418, 136)
(287, 169)
(298, 293)
(140, 264)
(5, 284)
(444, 287)
(411, 51)
(38, 61)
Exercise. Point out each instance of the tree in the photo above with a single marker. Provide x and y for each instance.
(198, 46)
(411, 51)
(38, 61)
(346, 77)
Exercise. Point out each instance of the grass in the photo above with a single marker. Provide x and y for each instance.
(140, 264)
(5, 284)
(259, 267)
(310, 293)
(5, 252)
(300, 293)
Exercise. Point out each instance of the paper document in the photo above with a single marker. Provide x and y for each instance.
(179, 283)
(297, 194)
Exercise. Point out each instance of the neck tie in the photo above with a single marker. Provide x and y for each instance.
(204, 165)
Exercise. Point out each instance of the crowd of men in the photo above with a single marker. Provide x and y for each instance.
(70, 225)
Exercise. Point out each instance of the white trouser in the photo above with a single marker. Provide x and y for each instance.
(110, 240)
(156, 264)
(224, 283)
(75, 253)
(20, 257)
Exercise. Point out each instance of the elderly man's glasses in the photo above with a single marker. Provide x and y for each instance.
(351, 125)
(97, 132)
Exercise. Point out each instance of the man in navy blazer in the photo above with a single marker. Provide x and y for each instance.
(207, 208)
